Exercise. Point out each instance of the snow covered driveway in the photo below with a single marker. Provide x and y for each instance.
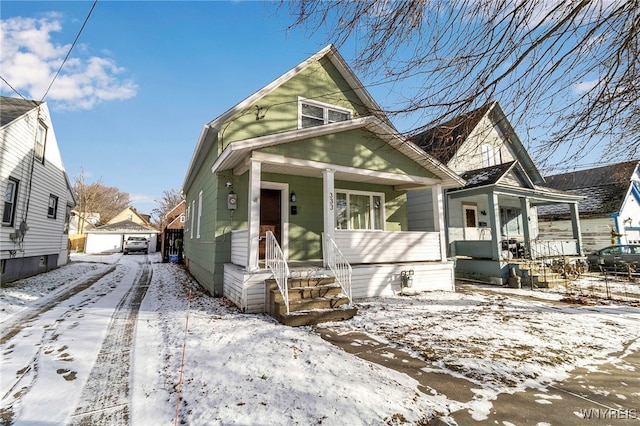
(82, 331)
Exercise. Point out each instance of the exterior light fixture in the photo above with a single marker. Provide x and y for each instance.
(293, 197)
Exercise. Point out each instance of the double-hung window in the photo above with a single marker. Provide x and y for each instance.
(313, 113)
(52, 211)
(10, 196)
(359, 210)
(41, 138)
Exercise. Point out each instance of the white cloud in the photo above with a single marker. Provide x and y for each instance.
(30, 60)
(585, 86)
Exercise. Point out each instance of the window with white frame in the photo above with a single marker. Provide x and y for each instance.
(193, 212)
(313, 113)
(199, 212)
(491, 155)
(41, 138)
(10, 196)
(359, 210)
(52, 211)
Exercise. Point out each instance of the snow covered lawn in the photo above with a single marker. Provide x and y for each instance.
(248, 369)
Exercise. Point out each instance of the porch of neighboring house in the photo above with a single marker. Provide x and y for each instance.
(494, 240)
(345, 264)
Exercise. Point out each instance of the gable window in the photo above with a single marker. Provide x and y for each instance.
(10, 196)
(312, 113)
(491, 155)
(41, 138)
(359, 210)
(53, 206)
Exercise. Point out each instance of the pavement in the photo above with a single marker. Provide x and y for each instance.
(607, 395)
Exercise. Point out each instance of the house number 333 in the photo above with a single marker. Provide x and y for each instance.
(331, 201)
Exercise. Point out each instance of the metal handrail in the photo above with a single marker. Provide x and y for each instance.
(339, 265)
(275, 261)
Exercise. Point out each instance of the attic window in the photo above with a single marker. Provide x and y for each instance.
(491, 155)
(41, 138)
(312, 113)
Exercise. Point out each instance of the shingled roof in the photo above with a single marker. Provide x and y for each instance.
(12, 108)
(119, 227)
(444, 140)
(605, 189)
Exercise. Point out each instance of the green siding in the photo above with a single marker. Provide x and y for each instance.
(321, 81)
(354, 148)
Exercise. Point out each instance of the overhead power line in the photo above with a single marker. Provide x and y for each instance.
(70, 49)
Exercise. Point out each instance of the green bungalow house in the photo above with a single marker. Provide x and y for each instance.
(306, 178)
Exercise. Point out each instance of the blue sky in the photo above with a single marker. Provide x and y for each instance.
(161, 71)
(145, 77)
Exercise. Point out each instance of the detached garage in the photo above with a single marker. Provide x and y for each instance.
(109, 238)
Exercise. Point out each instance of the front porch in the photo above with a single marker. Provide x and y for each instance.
(497, 228)
(381, 263)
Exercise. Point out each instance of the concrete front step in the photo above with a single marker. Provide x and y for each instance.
(318, 316)
(306, 293)
(279, 308)
(311, 301)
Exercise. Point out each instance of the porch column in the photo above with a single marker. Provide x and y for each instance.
(525, 209)
(494, 223)
(329, 203)
(253, 207)
(438, 218)
(575, 226)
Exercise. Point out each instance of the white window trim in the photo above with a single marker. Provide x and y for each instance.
(41, 142)
(371, 210)
(53, 199)
(491, 155)
(199, 213)
(325, 106)
(193, 212)
(14, 194)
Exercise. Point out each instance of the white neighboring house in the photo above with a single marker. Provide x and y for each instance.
(37, 193)
(610, 211)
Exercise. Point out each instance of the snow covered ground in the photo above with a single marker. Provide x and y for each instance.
(226, 367)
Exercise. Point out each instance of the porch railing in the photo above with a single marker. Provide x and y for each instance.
(339, 265)
(275, 261)
(553, 248)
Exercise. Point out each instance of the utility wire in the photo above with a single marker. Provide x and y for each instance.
(70, 49)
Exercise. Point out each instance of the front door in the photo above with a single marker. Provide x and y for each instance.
(270, 216)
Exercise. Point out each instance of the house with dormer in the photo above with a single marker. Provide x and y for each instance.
(296, 200)
(491, 220)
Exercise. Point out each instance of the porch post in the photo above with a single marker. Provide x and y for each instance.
(494, 222)
(575, 226)
(253, 207)
(525, 210)
(438, 218)
(328, 209)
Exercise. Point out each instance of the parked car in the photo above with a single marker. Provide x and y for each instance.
(133, 244)
(619, 256)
